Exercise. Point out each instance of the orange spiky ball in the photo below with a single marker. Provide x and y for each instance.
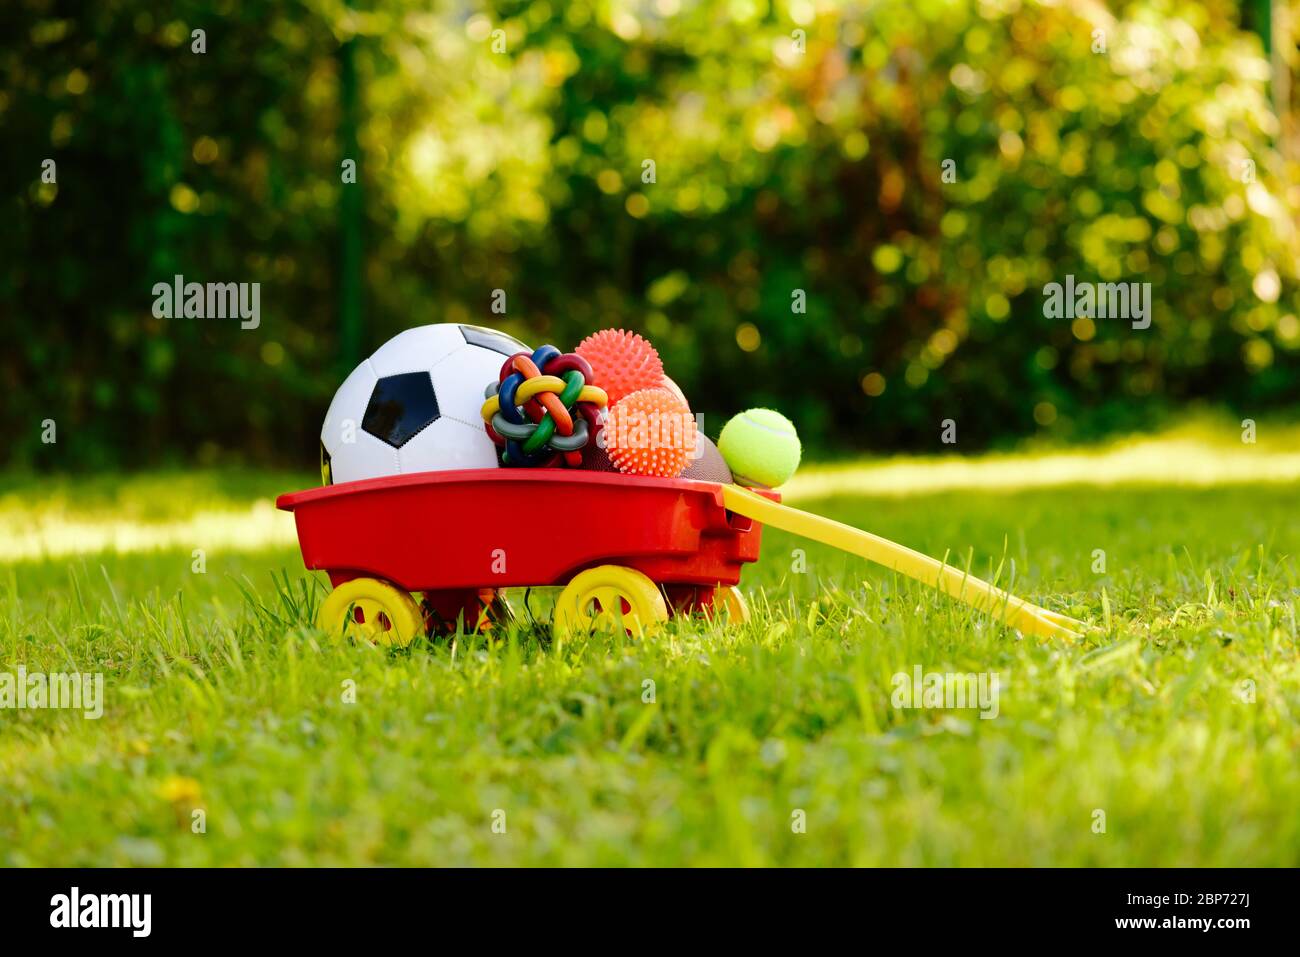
(623, 362)
(650, 432)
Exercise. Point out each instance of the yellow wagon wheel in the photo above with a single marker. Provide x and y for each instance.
(366, 609)
(602, 597)
(731, 600)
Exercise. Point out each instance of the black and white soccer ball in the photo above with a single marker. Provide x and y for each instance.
(414, 405)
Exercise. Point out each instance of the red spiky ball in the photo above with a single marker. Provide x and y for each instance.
(623, 362)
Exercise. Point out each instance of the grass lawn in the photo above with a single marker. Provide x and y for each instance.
(775, 742)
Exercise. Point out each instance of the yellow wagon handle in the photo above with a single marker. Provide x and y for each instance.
(1016, 612)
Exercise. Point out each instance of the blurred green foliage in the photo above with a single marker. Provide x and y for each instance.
(796, 146)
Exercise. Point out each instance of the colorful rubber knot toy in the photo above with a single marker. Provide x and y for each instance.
(544, 408)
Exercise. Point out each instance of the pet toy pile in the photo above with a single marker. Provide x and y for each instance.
(609, 406)
(415, 406)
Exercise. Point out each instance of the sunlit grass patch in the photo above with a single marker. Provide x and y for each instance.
(1201, 454)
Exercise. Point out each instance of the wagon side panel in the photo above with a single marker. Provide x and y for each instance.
(463, 535)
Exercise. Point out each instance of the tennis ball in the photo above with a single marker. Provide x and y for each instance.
(760, 447)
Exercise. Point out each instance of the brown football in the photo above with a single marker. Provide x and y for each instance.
(709, 467)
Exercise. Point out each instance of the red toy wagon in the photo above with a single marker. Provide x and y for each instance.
(625, 548)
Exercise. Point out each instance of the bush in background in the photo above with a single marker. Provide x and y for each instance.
(799, 157)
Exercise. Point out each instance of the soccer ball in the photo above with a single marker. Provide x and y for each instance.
(414, 405)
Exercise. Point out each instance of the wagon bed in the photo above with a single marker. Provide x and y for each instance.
(452, 535)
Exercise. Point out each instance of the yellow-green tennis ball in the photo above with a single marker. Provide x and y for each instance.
(760, 447)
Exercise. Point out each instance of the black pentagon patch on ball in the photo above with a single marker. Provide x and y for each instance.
(400, 407)
(491, 339)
